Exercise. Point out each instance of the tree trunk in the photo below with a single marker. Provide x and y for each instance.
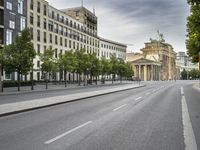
(65, 73)
(18, 80)
(32, 83)
(79, 79)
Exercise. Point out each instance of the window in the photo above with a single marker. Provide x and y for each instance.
(45, 10)
(56, 40)
(45, 37)
(38, 21)
(38, 7)
(31, 18)
(38, 64)
(9, 5)
(20, 6)
(61, 42)
(38, 35)
(22, 23)
(8, 37)
(31, 5)
(38, 49)
(45, 24)
(50, 38)
(12, 24)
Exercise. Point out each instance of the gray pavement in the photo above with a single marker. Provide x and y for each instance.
(147, 118)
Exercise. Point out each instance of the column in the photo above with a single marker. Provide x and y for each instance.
(145, 73)
(151, 72)
(139, 71)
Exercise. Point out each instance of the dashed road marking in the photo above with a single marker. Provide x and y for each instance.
(66, 133)
(119, 107)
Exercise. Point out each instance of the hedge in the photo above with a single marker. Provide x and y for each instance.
(15, 83)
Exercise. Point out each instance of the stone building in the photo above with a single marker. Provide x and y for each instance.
(158, 62)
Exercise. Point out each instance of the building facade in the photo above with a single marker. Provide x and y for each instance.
(183, 62)
(158, 62)
(68, 29)
(109, 48)
(12, 22)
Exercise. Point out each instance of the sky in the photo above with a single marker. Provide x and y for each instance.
(134, 22)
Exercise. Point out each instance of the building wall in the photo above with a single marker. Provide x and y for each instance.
(14, 21)
(184, 62)
(109, 48)
(163, 53)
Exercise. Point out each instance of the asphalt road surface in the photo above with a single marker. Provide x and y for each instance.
(160, 116)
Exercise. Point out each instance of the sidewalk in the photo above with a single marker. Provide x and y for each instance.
(16, 107)
(54, 87)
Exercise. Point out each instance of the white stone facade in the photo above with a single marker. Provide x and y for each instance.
(53, 27)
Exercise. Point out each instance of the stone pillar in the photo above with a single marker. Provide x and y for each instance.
(151, 72)
(139, 71)
(145, 73)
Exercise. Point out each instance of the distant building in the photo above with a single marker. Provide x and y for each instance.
(184, 62)
(158, 62)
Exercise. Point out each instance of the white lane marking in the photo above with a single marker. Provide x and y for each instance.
(119, 107)
(66, 133)
(182, 92)
(138, 98)
(189, 138)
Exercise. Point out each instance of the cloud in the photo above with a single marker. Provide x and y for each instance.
(135, 21)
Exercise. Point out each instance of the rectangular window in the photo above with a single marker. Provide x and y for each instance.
(38, 7)
(31, 5)
(61, 42)
(56, 40)
(45, 10)
(31, 18)
(22, 23)
(8, 37)
(38, 21)
(45, 24)
(9, 5)
(50, 38)
(12, 24)
(45, 37)
(38, 64)
(20, 6)
(38, 49)
(38, 35)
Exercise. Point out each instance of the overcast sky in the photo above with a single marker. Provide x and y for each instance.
(136, 21)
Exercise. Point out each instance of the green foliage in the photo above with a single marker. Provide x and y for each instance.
(193, 25)
(15, 83)
(184, 75)
(19, 55)
(105, 66)
(68, 61)
(49, 63)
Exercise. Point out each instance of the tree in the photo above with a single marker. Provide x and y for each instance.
(49, 63)
(129, 71)
(105, 68)
(94, 66)
(68, 62)
(194, 74)
(19, 55)
(82, 63)
(184, 75)
(114, 66)
(193, 29)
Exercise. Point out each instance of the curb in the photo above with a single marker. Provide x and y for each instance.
(59, 89)
(20, 107)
